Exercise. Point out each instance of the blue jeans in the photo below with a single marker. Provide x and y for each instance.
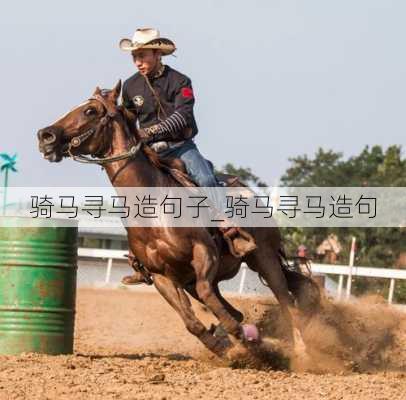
(196, 165)
(199, 169)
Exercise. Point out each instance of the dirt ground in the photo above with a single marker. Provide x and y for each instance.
(131, 345)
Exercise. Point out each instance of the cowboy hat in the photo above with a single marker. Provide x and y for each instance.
(148, 38)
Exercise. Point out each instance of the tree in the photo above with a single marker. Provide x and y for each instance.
(324, 170)
(8, 165)
(244, 173)
(372, 167)
(377, 247)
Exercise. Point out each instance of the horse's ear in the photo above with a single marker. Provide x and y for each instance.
(97, 91)
(115, 92)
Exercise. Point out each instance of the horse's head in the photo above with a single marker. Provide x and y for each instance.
(82, 130)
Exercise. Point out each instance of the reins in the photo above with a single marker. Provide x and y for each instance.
(158, 100)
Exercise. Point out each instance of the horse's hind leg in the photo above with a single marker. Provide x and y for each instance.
(305, 291)
(266, 262)
(178, 299)
(236, 314)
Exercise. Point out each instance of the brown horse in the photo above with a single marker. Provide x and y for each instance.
(180, 260)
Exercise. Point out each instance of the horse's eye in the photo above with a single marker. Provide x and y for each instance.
(90, 111)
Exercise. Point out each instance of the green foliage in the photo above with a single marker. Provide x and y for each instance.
(244, 173)
(378, 247)
(373, 167)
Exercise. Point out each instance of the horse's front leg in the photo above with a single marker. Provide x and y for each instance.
(205, 264)
(236, 314)
(177, 298)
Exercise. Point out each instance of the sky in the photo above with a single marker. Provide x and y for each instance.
(273, 79)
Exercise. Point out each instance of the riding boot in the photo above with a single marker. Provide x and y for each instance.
(135, 279)
(239, 241)
(139, 276)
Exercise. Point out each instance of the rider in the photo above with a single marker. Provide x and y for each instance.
(162, 100)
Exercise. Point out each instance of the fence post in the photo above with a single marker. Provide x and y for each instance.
(340, 287)
(391, 290)
(351, 264)
(108, 270)
(243, 276)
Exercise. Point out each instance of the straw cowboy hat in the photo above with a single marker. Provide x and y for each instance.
(148, 38)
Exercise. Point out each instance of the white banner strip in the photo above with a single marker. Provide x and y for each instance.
(94, 207)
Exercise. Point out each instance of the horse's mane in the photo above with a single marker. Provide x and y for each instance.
(156, 161)
(130, 121)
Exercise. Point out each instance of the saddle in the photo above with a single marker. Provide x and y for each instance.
(238, 240)
(176, 168)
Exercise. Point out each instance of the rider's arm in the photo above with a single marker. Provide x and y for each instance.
(176, 125)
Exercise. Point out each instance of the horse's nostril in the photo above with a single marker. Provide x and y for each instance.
(46, 136)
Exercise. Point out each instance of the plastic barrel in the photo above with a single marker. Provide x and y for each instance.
(38, 264)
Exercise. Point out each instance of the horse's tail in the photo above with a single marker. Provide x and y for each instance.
(304, 289)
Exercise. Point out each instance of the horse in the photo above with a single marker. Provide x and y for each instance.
(181, 260)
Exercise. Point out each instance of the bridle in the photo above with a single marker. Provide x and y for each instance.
(110, 115)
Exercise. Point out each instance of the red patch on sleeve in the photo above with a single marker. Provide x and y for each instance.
(187, 92)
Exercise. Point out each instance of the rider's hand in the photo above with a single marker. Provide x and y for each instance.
(144, 135)
(147, 134)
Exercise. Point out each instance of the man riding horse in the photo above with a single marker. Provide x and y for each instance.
(179, 261)
(162, 101)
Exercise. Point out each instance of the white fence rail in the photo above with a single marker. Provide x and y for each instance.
(340, 270)
(345, 270)
(111, 255)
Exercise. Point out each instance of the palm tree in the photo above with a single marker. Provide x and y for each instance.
(8, 165)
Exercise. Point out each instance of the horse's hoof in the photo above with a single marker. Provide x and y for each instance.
(250, 333)
(221, 347)
(240, 356)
